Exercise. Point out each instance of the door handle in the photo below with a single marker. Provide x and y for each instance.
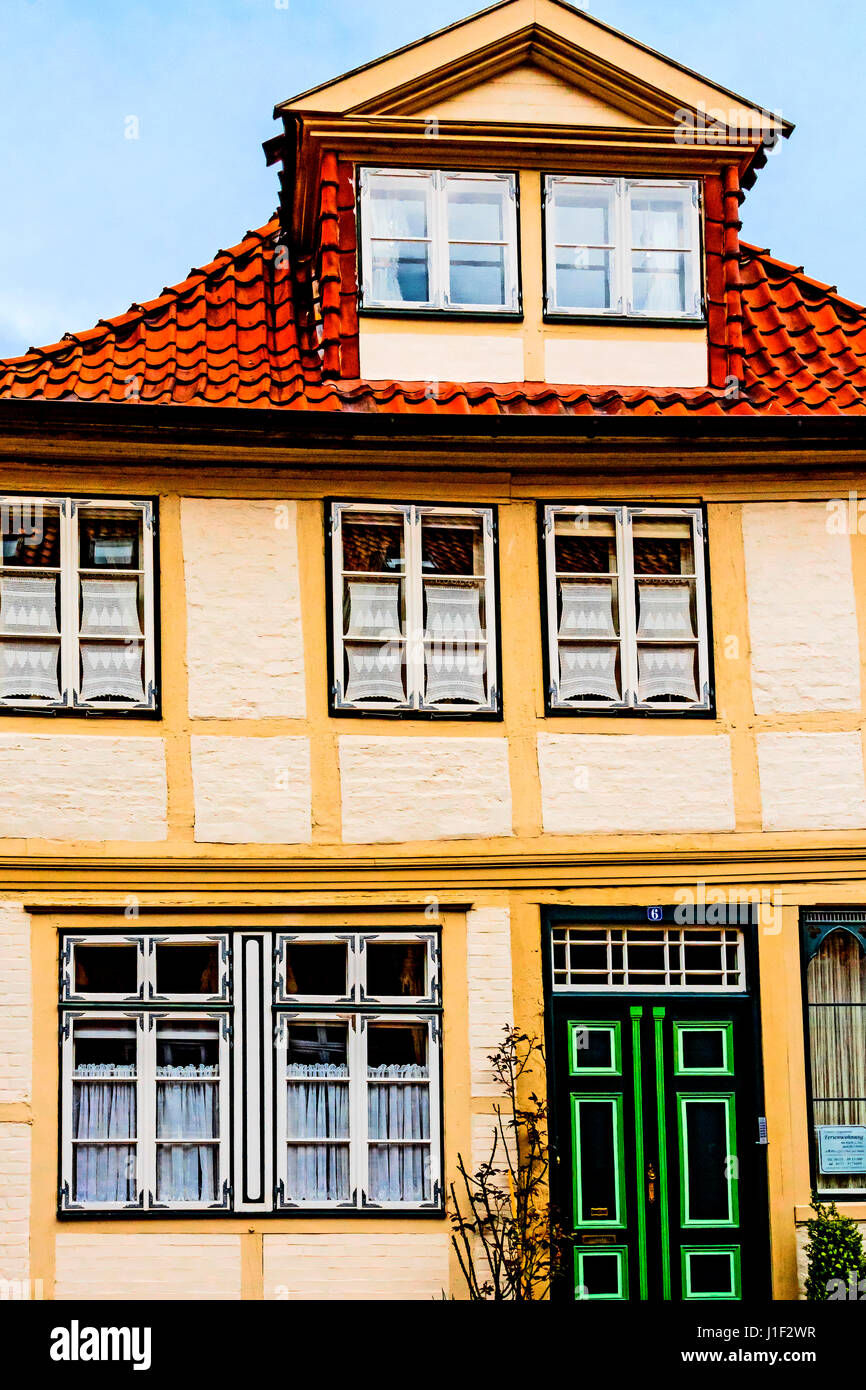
(650, 1184)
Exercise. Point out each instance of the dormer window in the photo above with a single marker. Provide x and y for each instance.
(622, 247)
(439, 241)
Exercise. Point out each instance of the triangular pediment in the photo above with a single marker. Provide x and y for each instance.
(534, 61)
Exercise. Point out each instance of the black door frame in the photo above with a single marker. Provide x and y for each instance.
(742, 915)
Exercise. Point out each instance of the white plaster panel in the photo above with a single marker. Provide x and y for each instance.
(491, 1000)
(15, 1005)
(157, 1266)
(635, 358)
(812, 781)
(435, 357)
(14, 1201)
(251, 790)
(245, 651)
(392, 1265)
(82, 787)
(802, 616)
(424, 788)
(635, 783)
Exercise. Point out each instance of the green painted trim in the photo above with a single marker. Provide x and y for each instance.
(617, 1222)
(622, 1293)
(723, 1026)
(664, 1213)
(728, 1099)
(636, 1016)
(733, 1253)
(609, 1026)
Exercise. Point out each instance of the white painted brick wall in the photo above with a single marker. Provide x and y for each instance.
(82, 787)
(491, 1002)
(245, 650)
(802, 614)
(391, 1266)
(15, 1004)
(252, 790)
(812, 781)
(619, 783)
(14, 1201)
(188, 1267)
(397, 789)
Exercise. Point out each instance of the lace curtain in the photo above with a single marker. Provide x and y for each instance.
(103, 1116)
(836, 984)
(318, 1109)
(187, 1108)
(398, 1116)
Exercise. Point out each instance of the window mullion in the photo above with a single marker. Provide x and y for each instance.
(146, 1109)
(414, 610)
(69, 661)
(358, 1148)
(441, 248)
(622, 255)
(628, 620)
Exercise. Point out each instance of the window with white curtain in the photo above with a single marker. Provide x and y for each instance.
(77, 604)
(414, 618)
(358, 1085)
(438, 240)
(617, 246)
(627, 614)
(159, 1031)
(145, 1091)
(836, 1006)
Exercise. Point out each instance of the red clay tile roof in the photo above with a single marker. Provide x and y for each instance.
(229, 335)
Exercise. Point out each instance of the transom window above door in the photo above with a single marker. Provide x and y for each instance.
(413, 609)
(434, 240)
(627, 612)
(77, 625)
(622, 247)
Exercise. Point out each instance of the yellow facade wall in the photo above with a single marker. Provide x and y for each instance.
(498, 879)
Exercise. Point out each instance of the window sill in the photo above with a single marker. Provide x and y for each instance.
(625, 320)
(70, 711)
(462, 716)
(446, 315)
(245, 1218)
(631, 712)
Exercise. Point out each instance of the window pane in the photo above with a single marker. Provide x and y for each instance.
(104, 1111)
(477, 274)
(589, 672)
(109, 539)
(663, 545)
(585, 544)
(584, 279)
(187, 969)
(398, 969)
(401, 272)
(187, 1108)
(29, 604)
(452, 545)
(29, 670)
(476, 210)
(583, 215)
(662, 217)
(660, 282)
(398, 1113)
(315, 969)
(108, 969)
(398, 207)
(30, 534)
(373, 543)
(317, 1114)
(112, 671)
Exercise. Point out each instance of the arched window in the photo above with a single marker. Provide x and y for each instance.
(836, 992)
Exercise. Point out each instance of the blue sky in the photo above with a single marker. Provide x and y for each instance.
(93, 221)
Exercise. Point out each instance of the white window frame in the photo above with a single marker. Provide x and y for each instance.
(145, 944)
(413, 637)
(145, 1143)
(623, 517)
(357, 1022)
(70, 509)
(622, 297)
(437, 182)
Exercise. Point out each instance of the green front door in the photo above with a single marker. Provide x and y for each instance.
(658, 1155)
